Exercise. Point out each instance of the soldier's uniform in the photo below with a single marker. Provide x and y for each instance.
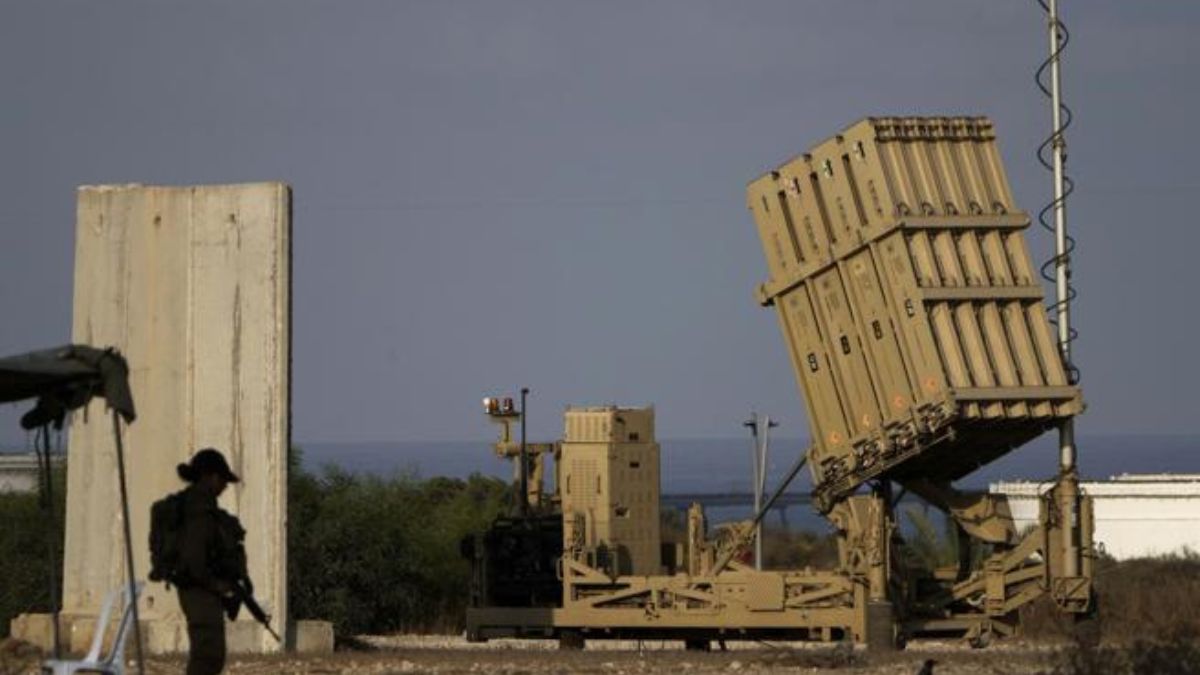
(198, 593)
(211, 560)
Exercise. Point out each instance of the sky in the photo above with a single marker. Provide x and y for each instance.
(489, 195)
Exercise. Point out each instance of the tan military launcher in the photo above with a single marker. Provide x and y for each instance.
(917, 332)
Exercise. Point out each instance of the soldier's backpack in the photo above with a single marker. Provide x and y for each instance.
(166, 533)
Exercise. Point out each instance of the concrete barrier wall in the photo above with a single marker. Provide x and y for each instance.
(192, 284)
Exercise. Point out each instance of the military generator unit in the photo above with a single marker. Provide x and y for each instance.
(915, 322)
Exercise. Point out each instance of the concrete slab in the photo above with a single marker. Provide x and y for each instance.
(193, 285)
(161, 636)
(311, 637)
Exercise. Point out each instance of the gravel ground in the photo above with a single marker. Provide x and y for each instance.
(438, 654)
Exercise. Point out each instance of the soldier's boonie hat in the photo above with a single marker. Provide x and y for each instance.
(208, 460)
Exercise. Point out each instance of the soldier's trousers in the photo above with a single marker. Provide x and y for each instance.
(206, 631)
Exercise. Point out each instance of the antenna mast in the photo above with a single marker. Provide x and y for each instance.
(1056, 145)
(1062, 257)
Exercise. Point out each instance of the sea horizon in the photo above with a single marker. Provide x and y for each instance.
(723, 464)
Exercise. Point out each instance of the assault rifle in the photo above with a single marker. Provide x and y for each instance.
(243, 594)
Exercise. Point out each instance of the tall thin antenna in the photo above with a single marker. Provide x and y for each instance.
(1056, 145)
(1062, 257)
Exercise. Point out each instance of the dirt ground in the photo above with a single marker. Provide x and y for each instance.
(409, 654)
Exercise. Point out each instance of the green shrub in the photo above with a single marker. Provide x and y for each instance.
(377, 555)
(1148, 600)
(372, 555)
(1177, 655)
(797, 549)
(25, 537)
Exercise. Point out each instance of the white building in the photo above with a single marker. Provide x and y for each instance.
(18, 473)
(1137, 516)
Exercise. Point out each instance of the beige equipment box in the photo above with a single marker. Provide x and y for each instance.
(907, 298)
(609, 486)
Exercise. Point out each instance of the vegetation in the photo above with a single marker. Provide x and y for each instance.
(1147, 620)
(25, 538)
(927, 548)
(1152, 600)
(1176, 655)
(373, 555)
(789, 550)
(377, 555)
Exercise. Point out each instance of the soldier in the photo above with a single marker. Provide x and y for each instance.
(211, 559)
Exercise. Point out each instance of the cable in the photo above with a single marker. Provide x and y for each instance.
(1057, 139)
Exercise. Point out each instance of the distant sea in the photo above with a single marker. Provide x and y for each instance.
(723, 465)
